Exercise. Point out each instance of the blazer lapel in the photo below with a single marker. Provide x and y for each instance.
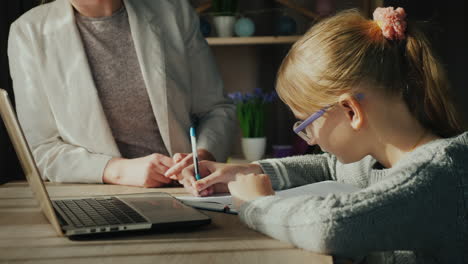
(149, 46)
(79, 97)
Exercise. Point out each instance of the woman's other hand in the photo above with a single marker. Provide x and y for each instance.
(143, 172)
(248, 187)
(183, 160)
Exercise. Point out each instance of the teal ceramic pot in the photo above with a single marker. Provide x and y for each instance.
(286, 26)
(244, 27)
(205, 27)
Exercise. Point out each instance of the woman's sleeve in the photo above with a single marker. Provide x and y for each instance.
(401, 213)
(295, 171)
(214, 111)
(57, 160)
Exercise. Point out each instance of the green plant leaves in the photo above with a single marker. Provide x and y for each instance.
(224, 7)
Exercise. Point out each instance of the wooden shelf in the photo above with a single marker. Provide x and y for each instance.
(252, 40)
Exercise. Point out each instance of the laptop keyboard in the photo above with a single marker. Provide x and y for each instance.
(99, 212)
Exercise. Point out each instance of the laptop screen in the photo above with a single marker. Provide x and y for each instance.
(26, 159)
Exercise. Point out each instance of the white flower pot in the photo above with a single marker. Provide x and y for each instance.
(224, 25)
(253, 148)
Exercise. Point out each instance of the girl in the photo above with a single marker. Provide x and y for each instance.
(372, 95)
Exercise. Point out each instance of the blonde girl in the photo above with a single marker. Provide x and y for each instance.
(372, 94)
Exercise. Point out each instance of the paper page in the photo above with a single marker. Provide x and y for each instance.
(222, 198)
(319, 189)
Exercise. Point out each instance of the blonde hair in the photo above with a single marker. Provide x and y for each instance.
(340, 52)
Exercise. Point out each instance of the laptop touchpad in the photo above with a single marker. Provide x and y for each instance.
(163, 209)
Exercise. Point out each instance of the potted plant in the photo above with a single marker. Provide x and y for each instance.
(224, 12)
(251, 112)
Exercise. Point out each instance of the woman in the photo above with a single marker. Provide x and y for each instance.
(106, 90)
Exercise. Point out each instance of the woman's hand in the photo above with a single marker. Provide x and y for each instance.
(143, 172)
(183, 160)
(248, 187)
(215, 177)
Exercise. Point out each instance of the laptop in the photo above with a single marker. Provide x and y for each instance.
(78, 217)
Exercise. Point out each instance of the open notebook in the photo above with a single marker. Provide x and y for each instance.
(223, 202)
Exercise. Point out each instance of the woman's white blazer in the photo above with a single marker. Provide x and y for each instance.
(58, 105)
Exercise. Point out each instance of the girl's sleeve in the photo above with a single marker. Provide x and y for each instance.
(57, 160)
(299, 170)
(400, 213)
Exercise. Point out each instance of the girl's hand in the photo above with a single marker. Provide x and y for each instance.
(183, 160)
(143, 172)
(249, 187)
(215, 177)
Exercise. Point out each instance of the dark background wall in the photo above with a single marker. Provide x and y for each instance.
(448, 31)
(9, 11)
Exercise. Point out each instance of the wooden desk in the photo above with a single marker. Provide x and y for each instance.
(26, 236)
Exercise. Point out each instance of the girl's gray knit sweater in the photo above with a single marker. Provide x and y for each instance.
(414, 212)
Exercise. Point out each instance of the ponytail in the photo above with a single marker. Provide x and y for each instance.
(427, 91)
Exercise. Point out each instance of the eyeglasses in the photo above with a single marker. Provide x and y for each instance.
(300, 126)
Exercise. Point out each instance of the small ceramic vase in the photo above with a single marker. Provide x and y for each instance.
(244, 27)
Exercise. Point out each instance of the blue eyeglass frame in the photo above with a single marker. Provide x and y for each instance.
(318, 114)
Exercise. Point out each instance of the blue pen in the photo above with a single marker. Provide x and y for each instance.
(193, 138)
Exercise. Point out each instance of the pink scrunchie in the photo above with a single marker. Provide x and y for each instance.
(391, 21)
